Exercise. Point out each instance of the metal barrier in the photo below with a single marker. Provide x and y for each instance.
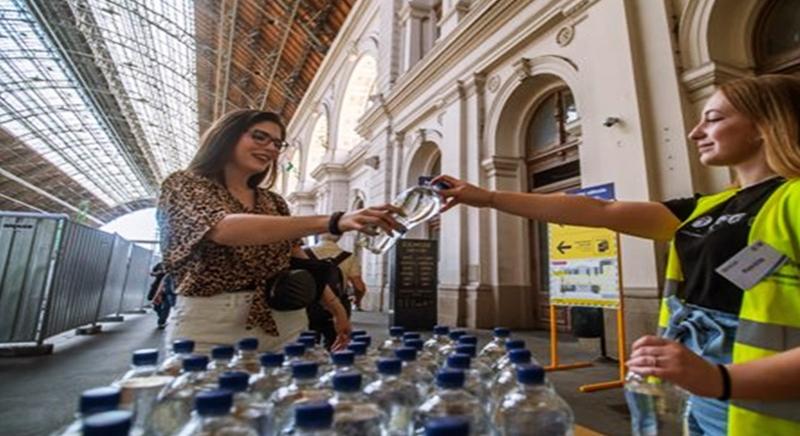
(56, 275)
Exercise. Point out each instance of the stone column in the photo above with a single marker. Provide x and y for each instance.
(452, 13)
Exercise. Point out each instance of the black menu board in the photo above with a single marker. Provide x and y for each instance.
(413, 281)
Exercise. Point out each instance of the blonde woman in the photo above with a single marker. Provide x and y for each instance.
(736, 350)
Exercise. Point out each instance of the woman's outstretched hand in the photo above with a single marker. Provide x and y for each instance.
(369, 219)
(462, 192)
(671, 361)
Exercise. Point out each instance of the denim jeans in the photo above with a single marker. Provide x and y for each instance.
(710, 334)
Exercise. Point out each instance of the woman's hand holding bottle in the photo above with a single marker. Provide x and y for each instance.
(462, 192)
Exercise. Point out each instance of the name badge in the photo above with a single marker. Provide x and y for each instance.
(751, 265)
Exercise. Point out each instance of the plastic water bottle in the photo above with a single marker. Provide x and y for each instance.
(484, 371)
(173, 364)
(438, 340)
(140, 386)
(447, 426)
(395, 396)
(247, 406)
(495, 349)
(212, 416)
(353, 414)
(314, 419)
(293, 352)
(473, 382)
(302, 389)
(92, 402)
(363, 362)
(395, 340)
(173, 409)
(503, 362)
(411, 335)
(419, 204)
(246, 358)
(451, 399)
(272, 376)
(221, 356)
(356, 333)
(315, 352)
(372, 352)
(113, 423)
(450, 347)
(424, 358)
(506, 380)
(342, 363)
(533, 408)
(657, 407)
(413, 371)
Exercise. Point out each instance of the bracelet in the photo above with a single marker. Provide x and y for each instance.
(333, 223)
(726, 383)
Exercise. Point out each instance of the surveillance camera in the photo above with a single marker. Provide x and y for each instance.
(610, 121)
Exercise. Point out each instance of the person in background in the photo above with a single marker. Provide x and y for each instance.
(349, 264)
(733, 344)
(161, 294)
(224, 235)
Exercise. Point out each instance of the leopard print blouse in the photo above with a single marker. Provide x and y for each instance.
(188, 207)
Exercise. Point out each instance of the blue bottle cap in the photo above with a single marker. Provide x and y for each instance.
(213, 402)
(450, 378)
(441, 330)
(195, 362)
(458, 361)
(447, 426)
(235, 381)
(519, 356)
(470, 350)
(343, 358)
(147, 356)
(468, 340)
(513, 344)
(304, 369)
(222, 352)
(455, 334)
(356, 333)
(111, 423)
(347, 382)
(501, 332)
(389, 366)
(248, 344)
(364, 339)
(295, 349)
(396, 331)
(271, 360)
(99, 400)
(360, 348)
(416, 344)
(530, 374)
(406, 354)
(314, 416)
(310, 333)
(307, 341)
(411, 335)
(183, 346)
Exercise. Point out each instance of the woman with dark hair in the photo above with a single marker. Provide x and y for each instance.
(224, 235)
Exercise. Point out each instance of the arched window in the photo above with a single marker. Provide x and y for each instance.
(777, 38)
(354, 102)
(317, 146)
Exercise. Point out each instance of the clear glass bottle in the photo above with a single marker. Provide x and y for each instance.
(473, 382)
(511, 344)
(172, 365)
(395, 340)
(448, 348)
(140, 386)
(303, 389)
(424, 358)
(92, 402)
(174, 405)
(273, 375)
(112, 423)
(419, 204)
(413, 371)
(506, 380)
(485, 372)
(247, 406)
(495, 349)
(212, 416)
(353, 414)
(313, 419)
(397, 397)
(246, 358)
(657, 407)
(440, 339)
(221, 357)
(447, 426)
(342, 362)
(451, 399)
(533, 408)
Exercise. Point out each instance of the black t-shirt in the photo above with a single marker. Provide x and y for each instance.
(709, 240)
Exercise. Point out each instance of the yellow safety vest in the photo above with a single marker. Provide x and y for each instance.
(769, 319)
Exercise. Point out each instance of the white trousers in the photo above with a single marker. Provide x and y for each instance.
(220, 320)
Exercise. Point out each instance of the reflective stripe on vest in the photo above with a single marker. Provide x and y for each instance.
(770, 336)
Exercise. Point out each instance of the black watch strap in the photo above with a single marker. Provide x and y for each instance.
(333, 223)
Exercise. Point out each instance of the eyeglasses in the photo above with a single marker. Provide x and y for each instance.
(261, 137)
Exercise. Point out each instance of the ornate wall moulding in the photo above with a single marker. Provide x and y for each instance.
(493, 84)
(565, 35)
